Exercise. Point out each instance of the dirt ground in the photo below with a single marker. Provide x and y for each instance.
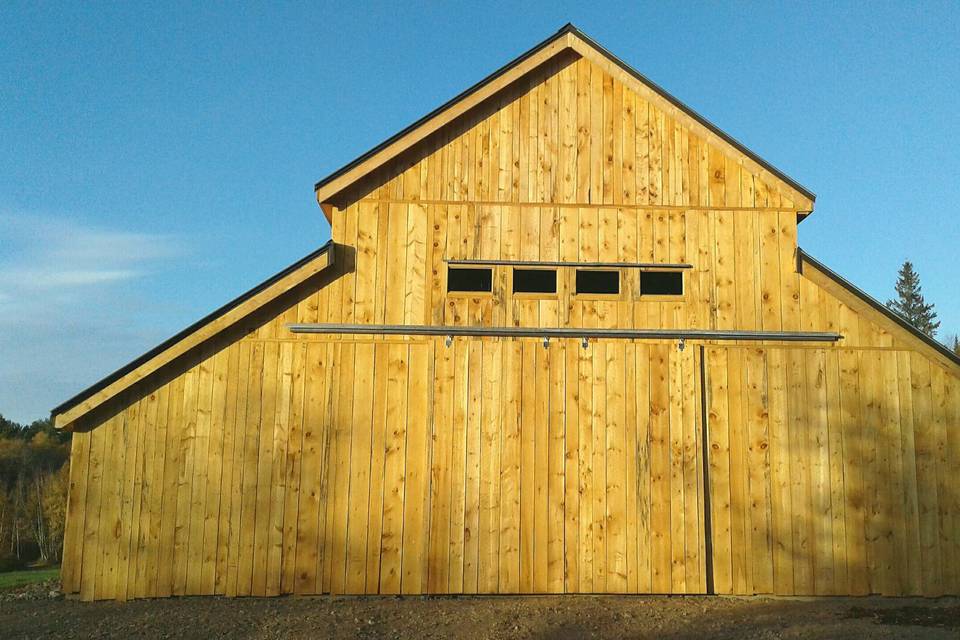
(39, 612)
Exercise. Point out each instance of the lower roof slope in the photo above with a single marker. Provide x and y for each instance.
(198, 332)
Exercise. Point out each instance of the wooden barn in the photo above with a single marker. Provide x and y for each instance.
(563, 340)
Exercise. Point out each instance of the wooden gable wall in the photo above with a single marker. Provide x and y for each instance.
(571, 165)
(266, 462)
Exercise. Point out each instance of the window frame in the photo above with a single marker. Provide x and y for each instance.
(587, 295)
(469, 294)
(534, 295)
(662, 297)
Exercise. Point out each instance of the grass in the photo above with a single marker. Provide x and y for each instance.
(13, 579)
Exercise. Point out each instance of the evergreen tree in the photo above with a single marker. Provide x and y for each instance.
(910, 304)
(956, 345)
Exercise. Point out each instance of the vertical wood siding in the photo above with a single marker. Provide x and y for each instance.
(266, 463)
(502, 466)
(829, 472)
(419, 472)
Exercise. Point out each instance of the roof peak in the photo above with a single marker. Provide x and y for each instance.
(567, 37)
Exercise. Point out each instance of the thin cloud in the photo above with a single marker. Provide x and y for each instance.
(43, 254)
(68, 292)
(53, 278)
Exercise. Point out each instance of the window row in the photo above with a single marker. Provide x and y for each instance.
(544, 281)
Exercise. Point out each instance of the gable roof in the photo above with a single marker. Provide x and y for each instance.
(859, 300)
(567, 38)
(197, 333)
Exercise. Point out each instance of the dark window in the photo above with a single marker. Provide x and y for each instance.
(534, 281)
(589, 281)
(661, 283)
(469, 279)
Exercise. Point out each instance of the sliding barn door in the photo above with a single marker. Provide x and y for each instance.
(507, 466)
(560, 468)
(827, 472)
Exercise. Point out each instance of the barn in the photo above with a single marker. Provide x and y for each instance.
(563, 340)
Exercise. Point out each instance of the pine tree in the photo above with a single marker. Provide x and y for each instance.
(910, 304)
(956, 345)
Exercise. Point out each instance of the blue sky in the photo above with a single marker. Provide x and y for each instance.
(157, 161)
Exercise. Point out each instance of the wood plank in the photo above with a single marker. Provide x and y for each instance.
(234, 406)
(641, 356)
(170, 479)
(144, 547)
(251, 449)
(540, 485)
(394, 470)
(71, 568)
(110, 507)
(325, 549)
(616, 504)
(91, 557)
(632, 465)
(378, 449)
(308, 507)
(821, 518)
(800, 493)
(940, 414)
(126, 531)
(660, 466)
(718, 417)
(678, 522)
(361, 427)
(489, 522)
(894, 498)
(292, 472)
(585, 459)
(871, 382)
(692, 480)
(571, 470)
(471, 512)
(739, 514)
(927, 486)
(416, 507)
(458, 464)
(841, 582)
(599, 472)
(214, 457)
(438, 568)
(913, 582)
(265, 461)
(854, 490)
(952, 455)
(780, 472)
(528, 419)
(510, 453)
